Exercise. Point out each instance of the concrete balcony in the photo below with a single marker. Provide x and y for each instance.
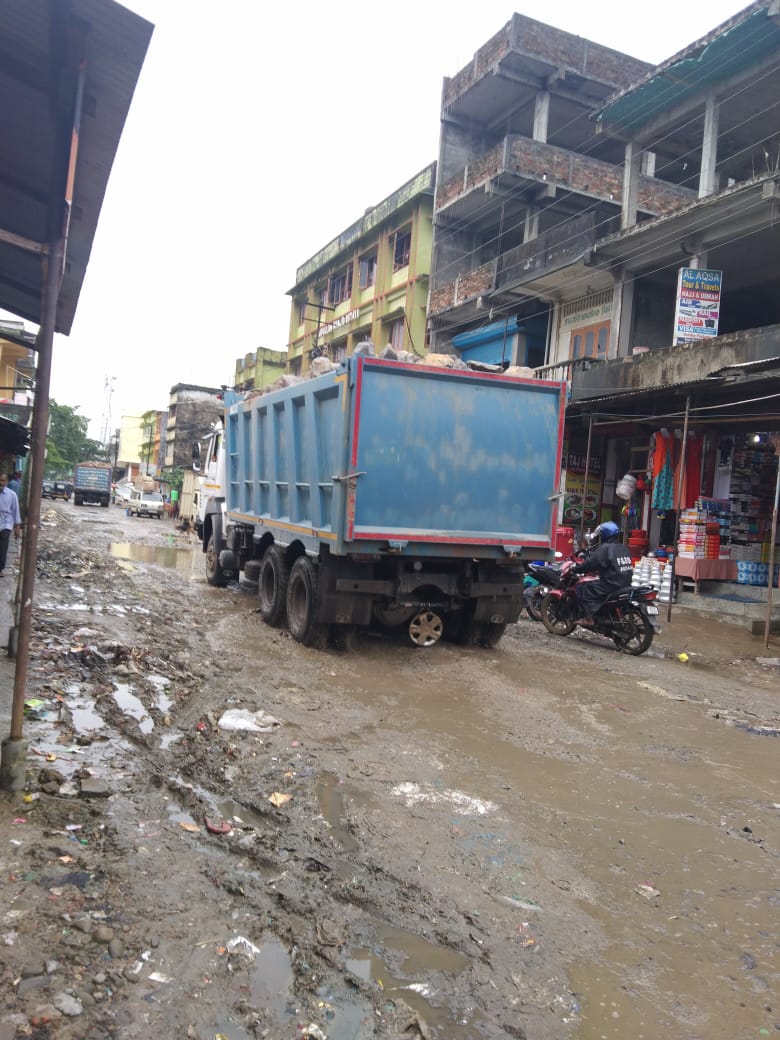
(523, 165)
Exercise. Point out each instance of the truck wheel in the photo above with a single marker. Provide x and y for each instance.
(214, 574)
(490, 633)
(272, 581)
(425, 628)
(302, 604)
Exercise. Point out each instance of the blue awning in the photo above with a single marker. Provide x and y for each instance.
(497, 330)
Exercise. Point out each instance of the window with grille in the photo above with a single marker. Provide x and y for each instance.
(367, 271)
(402, 247)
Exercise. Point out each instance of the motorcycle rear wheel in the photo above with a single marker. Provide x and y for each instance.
(634, 634)
(534, 602)
(556, 616)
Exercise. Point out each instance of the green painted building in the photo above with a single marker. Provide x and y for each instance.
(259, 368)
(368, 283)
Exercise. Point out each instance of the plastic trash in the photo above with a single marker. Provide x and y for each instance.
(248, 721)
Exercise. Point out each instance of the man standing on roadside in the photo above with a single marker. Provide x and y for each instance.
(10, 519)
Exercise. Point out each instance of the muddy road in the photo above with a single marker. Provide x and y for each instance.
(225, 834)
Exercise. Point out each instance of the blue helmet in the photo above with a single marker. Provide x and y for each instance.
(606, 532)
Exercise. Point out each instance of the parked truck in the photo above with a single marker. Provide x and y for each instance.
(92, 483)
(387, 493)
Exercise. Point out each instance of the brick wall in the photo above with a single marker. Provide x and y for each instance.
(572, 170)
(484, 60)
(556, 48)
(465, 287)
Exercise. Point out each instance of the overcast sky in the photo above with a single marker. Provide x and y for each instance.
(257, 133)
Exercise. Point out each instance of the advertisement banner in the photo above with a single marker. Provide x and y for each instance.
(698, 304)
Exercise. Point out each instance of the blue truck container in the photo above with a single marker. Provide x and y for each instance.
(92, 483)
(386, 492)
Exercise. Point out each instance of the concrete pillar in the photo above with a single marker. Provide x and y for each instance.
(625, 314)
(531, 230)
(630, 184)
(709, 148)
(541, 116)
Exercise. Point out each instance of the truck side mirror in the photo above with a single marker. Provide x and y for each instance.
(196, 456)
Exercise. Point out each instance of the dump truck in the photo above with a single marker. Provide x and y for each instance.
(92, 483)
(384, 493)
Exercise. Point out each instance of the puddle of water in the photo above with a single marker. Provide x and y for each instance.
(419, 955)
(172, 556)
(240, 814)
(132, 706)
(83, 712)
(169, 738)
(271, 977)
(331, 801)
(161, 686)
(419, 958)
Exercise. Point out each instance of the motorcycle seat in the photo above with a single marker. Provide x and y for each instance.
(629, 592)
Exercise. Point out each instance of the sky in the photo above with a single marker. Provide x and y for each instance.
(258, 132)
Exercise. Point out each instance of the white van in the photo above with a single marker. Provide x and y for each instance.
(146, 503)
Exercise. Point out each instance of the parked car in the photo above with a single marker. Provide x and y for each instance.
(122, 494)
(55, 489)
(146, 503)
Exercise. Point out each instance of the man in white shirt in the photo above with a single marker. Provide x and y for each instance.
(10, 519)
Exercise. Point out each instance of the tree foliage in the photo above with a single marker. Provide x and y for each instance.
(67, 442)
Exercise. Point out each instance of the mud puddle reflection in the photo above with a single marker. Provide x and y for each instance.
(172, 556)
(418, 961)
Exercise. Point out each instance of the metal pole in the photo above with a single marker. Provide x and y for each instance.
(680, 479)
(585, 482)
(768, 622)
(14, 749)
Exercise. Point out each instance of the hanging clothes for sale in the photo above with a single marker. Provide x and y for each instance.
(663, 470)
(691, 466)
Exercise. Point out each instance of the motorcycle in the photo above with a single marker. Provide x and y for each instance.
(626, 617)
(539, 578)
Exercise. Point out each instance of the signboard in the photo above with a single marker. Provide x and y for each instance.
(698, 304)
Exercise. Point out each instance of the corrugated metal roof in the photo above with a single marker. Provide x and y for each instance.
(42, 44)
(736, 45)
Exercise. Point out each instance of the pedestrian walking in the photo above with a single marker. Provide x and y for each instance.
(10, 519)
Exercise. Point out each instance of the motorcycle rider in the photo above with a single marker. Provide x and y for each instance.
(611, 560)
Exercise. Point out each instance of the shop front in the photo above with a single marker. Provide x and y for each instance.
(693, 479)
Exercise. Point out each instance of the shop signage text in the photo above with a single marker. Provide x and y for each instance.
(698, 304)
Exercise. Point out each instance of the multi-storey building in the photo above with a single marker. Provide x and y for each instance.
(192, 410)
(368, 283)
(579, 192)
(259, 368)
(524, 185)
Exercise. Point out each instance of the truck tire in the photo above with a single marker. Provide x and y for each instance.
(302, 605)
(215, 576)
(272, 583)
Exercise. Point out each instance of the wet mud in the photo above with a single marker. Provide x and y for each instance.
(225, 833)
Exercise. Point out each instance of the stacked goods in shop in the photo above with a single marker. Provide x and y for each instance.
(750, 573)
(718, 509)
(699, 536)
(753, 479)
